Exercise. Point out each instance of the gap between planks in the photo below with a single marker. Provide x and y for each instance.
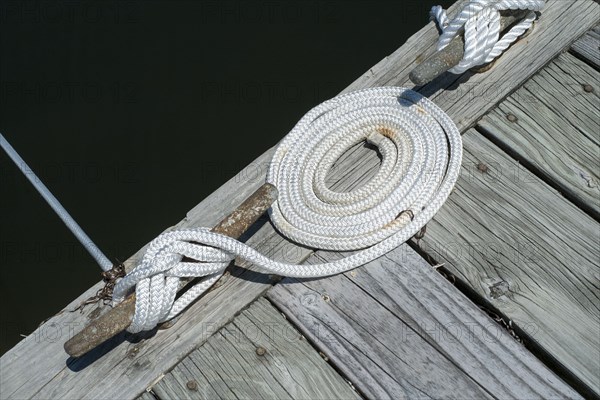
(587, 47)
(528, 251)
(257, 355)
(554, 129)
(398, 329)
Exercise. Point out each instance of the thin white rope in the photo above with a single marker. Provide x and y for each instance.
(421, 153)
(53, 202)
(480, 22)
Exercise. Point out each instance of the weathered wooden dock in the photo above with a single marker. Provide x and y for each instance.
(500, 299)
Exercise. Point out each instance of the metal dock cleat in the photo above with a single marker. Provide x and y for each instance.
(443, 60)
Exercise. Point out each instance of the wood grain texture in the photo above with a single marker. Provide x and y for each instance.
(588, 46)
(557, 131)
(38, 367)
(534, 255)
(398, 330)
(228, 365)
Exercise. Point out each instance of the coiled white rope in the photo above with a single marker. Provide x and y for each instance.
(421, 154)
(480, 22)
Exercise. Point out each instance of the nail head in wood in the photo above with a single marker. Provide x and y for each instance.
(261, 351)
(192, 385)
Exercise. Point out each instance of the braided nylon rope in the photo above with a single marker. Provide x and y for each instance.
(480, 21)
(421, 153)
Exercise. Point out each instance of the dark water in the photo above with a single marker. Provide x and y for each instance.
(124, 110)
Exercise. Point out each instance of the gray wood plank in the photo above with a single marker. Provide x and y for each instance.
(39, 367)
(525, 248)
(398, 329)
(588, 46)
(557, 131)
(228, 365)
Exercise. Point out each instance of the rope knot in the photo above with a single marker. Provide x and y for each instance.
(480, 22)
(420, 149)
(169, 258)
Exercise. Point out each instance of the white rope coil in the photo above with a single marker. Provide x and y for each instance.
(480, 22)
(421, 153)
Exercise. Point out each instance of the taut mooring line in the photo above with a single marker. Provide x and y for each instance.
(53, 202)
